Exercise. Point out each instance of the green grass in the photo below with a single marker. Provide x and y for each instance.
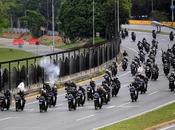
(7, 54)
(98, 40)
(70, 46)
(150, 119)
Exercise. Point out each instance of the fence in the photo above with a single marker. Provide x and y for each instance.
(70, 62)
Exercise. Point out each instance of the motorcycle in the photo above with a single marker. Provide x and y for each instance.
(147, 47)
(4, 103)
(171, 36)
(72, 103)
(155, 74)
(154, 34)
(133, 94)
(51, 99)
(133, 70)
(97, 101)
(115, 89)
(43, 104)
(20, 103)
(166, 69)
(80, 98)
(171, 83)
(89, 93)
(133, 36)
(148, 72)
(124, 64)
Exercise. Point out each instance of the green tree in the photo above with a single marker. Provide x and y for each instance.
(76, 17)
(35, 20)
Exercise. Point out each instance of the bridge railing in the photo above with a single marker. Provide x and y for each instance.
(27, 70)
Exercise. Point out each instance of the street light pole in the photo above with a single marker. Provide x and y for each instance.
(93, 23)
(118, 15)
(152, 5)
(115, 17)
(53, 26)
(172, 9)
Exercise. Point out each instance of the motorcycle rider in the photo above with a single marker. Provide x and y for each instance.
(154, 43)
(92, 84)
(142, 56)
(125, 53)
(114, 69)
(82, 89)
(133, 36)
(154, 34)
(126, 32)
(171, 79)
(166, 68)
(140, 45)
(171, 36)
(7, 94)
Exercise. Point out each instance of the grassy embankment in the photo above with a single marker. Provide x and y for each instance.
(147, 120)
(7, 54)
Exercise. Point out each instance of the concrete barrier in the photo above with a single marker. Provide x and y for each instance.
(149, 22)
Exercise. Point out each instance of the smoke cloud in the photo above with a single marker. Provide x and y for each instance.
(52, 70)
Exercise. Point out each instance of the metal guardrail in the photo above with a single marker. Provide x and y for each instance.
(27, 70)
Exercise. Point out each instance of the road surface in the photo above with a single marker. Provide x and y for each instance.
(86, 118)
(147, 28)
(41, 50)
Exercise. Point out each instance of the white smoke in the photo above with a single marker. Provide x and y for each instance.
(52, 71)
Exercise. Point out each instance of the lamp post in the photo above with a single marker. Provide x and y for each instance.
(152, 5)
(93, 23)
(172, 9)
(115, 17)
(53, 26)
(118, 15)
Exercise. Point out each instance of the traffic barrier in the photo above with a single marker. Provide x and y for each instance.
(149, 22)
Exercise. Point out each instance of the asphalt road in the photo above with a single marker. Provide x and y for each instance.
(37, 50)
(86, 118)
(147, 27)
(171, 127)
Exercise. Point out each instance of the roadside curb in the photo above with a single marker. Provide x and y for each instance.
(159, 126)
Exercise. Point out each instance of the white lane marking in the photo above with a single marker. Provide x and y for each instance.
(153, 93)
(59, 105)
(110, 107)
(124, 74)
(37, 101)
(7, 118)
(123, 104)
(170, 102)
(166, 128)
(61, 95)
(31, 103)
(131, 49)
(127, 106)
(86, 117)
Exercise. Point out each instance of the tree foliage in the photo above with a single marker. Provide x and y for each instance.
(144, 7)
(73, 18)
(76, 17)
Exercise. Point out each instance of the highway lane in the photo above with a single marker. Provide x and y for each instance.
(171, 127)
(86, 118)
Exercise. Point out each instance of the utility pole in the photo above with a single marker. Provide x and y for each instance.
(115, 17)
(53, 26)
(172, 9)
(118, 15)
(93, 23)
(152, 5)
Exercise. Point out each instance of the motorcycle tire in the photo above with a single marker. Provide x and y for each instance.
(17, 107)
